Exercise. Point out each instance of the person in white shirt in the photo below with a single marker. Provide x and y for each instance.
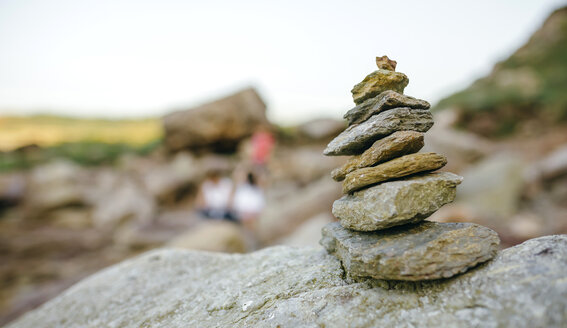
(214, 197)
(248, 200)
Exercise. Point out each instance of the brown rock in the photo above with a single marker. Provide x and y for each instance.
(377, 82)
(218, 125)
(386, 100)
(283, 215)
(213, 236)
(386, 63)
(396, 168)
(395, 145)
(321, 129)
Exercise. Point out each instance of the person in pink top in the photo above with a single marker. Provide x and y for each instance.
(262, 144)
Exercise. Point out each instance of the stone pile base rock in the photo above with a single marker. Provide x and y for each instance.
(424, 251)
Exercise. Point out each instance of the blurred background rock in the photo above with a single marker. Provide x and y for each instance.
(79, 194)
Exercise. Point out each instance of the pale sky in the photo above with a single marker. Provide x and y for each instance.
(133, 58)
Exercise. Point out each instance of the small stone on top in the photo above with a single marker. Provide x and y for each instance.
(386, 63)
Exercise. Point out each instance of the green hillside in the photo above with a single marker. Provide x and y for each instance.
(529, 89)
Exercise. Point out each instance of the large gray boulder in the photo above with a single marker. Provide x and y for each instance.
(524, 286)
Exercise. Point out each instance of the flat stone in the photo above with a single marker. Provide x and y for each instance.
(523, 286)
(396, 168)
(355, 139)
(386, 100)
(425, 251)
(395, 145)
(397, 202)
(378, 82)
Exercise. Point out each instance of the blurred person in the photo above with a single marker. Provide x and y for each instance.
(214, 196)
(248, 199)
(262, 144)
(260, 151)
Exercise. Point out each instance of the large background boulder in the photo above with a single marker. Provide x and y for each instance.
(218, 125)
(523, 286)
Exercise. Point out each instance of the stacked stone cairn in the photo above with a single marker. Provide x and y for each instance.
(390, 189)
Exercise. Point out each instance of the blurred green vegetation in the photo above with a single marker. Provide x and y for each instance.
(86, 153)
(529, 85)
(26, 141)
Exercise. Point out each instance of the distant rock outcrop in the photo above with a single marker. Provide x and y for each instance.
(524, 286)
(219, 125)
(527, 90)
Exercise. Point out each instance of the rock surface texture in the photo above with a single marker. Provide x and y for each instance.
(378, 82)
(396, 168)
(357, 138)
(395, 145)
(397, 202)
(524, 286)
(388, 193)
(424, 251)
(386, 100)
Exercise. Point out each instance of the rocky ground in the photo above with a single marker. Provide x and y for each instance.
(61, 222)
(524, 286)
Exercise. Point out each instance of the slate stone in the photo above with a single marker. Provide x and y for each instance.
(386, 100)
(424, 251)
(359, 137)
(395, 145)
(396, 202)
(396, 168)
(378, 82)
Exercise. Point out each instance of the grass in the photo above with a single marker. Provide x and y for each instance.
(28, 141)
(46, 130)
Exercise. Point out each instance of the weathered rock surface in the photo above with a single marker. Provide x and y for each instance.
(524, 286)
(397, 202)
(554, 165)
(218, 125)
(357, 138)
(321, 129)
(54, 185)
(493, 188)
(395, 145)
(118, 199)
(301, 165)
(386, 100)
(396, 168)
(212, 236)
(378, 82)
(309, 233)
(425, 251)
(285, 214)
(386, 63)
